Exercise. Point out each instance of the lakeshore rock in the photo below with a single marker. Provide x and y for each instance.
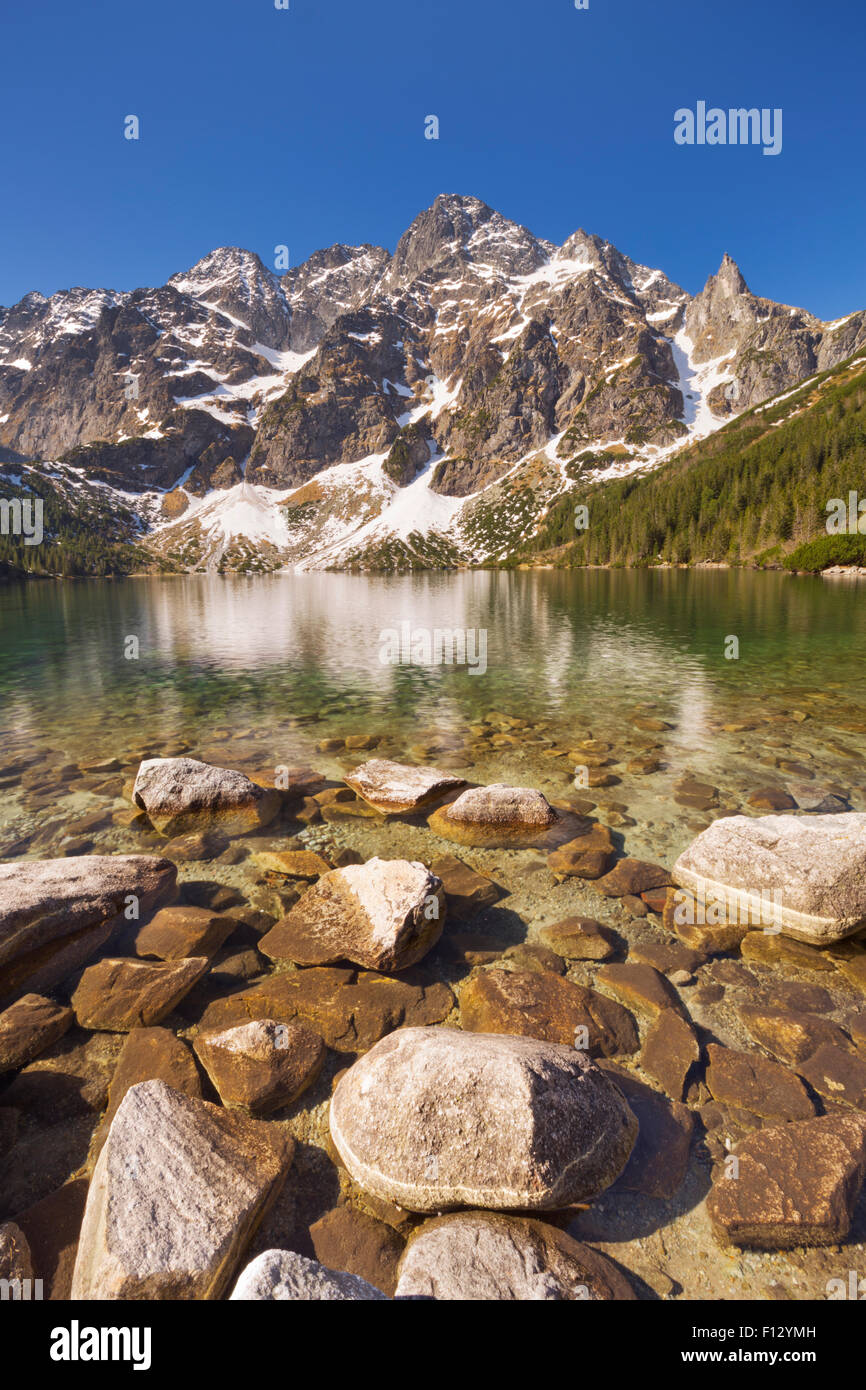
(118, 994)
(179, 1188)
(183, 794)
(816, 867)
(261, 1065)
(791, 1036)
(148, 1054)
(837, 1075)
(479, 1255)
(293, 863)
(542, 1005)
(398, 788)
(55, 913)
(385, 915)
(279, 1275)
(750, 1082)
(497, 816)
(579, 938)
(631, 877)
(670, 1051)
(588, 856)
(176, 933)
(641, 987)
(351, 1009)
(659, 1160)
(795, 1185)
(348, 1239)
(28, 1026)
(432, 1118)
(466, 890)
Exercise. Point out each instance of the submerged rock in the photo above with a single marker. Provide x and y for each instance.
(494, 817)
(483, 1255)
(118, 994)
(28, 1026)
(183, 794)
(351, 1009)
(55, 913)
(148, 1054)
(15, 1258)
(794, 1185)
(179, 1187)
(397, 788)
(279, 1275)
(433, 1118)
(385, 915)
(542, 1005)
(808, 875)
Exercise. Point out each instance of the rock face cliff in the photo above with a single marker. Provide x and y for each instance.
(475, 355)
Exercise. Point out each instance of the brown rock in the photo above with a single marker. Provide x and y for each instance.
(385, 915)
(588, 856)
(116, 994)
(350, 1240)
(546, 1007)
(466, 890)
(681, 915)
(261, 1065)
(632, 876)
(580, 938)
(660, 1158)
(51, 1227)
(177, 933)
(28, 1027)
(641, 987)
(792, 1037)
(669, 1052)
(772, 799)
(351, 1009)
(749, 1082)
(770, 948)
(148, 1054)
(837, 1074)
(293, 863)
(667, 957)
(795, 1185)
(198, 845)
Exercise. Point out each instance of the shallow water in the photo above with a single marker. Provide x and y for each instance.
(270, 666)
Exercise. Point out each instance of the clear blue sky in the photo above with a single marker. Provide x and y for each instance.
(306, 126)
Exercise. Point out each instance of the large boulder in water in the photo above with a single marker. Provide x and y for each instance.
(432, 1118)
(181, 794)
(803, 875)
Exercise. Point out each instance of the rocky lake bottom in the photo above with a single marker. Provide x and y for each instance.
(612, 700)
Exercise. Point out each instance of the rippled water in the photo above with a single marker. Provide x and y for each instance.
(249, 661)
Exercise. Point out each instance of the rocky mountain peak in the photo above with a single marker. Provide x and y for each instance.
(462, 230)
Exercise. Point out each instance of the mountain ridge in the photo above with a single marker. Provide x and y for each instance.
(370, 397)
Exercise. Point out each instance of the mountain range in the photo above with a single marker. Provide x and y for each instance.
(366, 409)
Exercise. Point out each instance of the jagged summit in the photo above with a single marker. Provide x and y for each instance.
(476, 361)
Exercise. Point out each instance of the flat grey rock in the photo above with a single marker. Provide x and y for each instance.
(397, 788)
